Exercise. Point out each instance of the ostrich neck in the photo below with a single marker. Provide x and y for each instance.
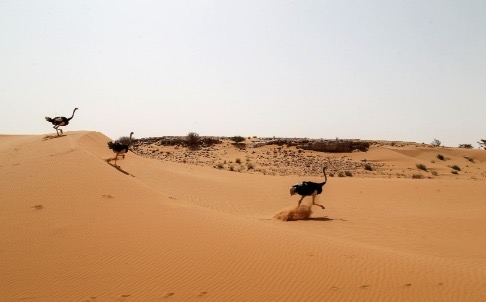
(74, 111)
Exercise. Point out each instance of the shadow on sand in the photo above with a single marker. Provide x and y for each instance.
(51, 136)
(118, 167)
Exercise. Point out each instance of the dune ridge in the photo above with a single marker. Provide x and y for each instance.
(75, 228)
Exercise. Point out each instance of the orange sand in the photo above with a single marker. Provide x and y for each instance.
(75, 228)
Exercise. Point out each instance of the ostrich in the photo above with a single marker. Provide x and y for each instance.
(119, 148)
(309, 188)
(60, 121)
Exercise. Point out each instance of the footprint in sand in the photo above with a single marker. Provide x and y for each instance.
(38, 207)
(107, 196)
(168, 295)
(125, 296)
(202, 294)
(365, 286)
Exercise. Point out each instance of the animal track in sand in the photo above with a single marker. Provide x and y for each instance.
(365, 286)
(38, 207)
(107, 196)
(202, 294)
(168, 295)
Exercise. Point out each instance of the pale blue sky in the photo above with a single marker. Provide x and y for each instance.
(395, 70)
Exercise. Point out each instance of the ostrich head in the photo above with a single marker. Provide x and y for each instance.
(292, 191)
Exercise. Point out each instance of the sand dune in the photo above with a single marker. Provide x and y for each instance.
(75, 228)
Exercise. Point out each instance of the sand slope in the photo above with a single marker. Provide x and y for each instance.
(75, 228)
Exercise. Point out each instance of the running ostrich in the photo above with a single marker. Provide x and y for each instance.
(309, 188)
(119, 148)
(60, 121)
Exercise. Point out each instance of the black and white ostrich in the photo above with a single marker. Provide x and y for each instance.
(60, 121)
(119, 148)
(309, 188)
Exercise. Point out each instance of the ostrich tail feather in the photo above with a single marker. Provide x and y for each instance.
(48, 119)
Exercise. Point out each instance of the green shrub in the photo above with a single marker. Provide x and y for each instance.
(368, 167)
(348, 173)
(454, 172)
(440, 156)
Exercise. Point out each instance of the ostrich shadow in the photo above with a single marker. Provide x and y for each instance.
(48, 137)
(118, 167)
(325, 218)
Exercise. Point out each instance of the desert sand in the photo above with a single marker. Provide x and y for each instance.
(75, 228)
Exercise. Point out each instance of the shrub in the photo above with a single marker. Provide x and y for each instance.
(466, 146)
(454, 172)
(436, 143)
(435, 173)
(237, 139)
(417, 176)
(192, 139)
(341, 174)
(482, 144)
(220, 166)
(250, 166)
(422, 167)
(238, 161)
(368, 167)
(440, 156)
(456, 167)
(124, 140)
(348, 173)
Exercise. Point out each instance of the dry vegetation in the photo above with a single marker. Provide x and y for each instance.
(304, 157)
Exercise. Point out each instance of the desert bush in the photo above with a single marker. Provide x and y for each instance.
(341, 174)
(456, 167)
(238, 161)
(454, 172)
(435, 173)
(237, 139)
(417, 176)
(250, 166)
(482, 144)
(466, 146)
(348, 173)
(192, 139)
(368, 167)
(421, 167)
(436, 143)
(440, 156)
(232, 168)
(220, 166)
(124, 140)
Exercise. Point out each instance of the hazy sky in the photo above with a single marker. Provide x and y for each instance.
(395, 70)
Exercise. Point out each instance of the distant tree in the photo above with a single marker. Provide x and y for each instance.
(192, 139)
(436, 143)
(482, 144)
(466, 146)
